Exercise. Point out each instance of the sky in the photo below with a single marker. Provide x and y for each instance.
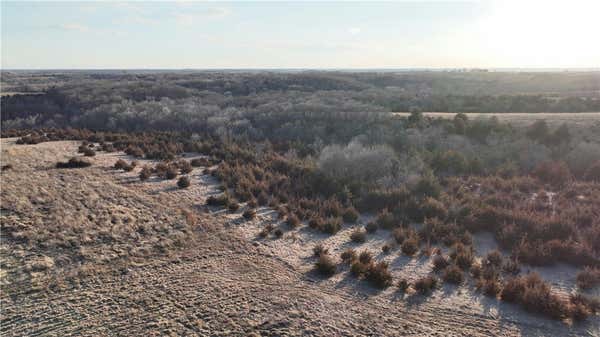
(217, 35)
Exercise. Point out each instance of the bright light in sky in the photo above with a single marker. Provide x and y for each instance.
(543, 33)
(419, 34)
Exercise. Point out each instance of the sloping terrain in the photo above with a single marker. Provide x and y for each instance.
(94, 251)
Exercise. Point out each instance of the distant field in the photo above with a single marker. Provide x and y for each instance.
(13, 93)
(525, 118)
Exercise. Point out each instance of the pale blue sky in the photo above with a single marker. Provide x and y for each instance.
(299, 35)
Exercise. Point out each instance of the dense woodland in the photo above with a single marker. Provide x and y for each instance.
(322, 148)
(129, 101)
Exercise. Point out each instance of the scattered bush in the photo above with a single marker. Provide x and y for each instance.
(145, 173)
(266, 230)
(494, 258)
(534, 295)
(7, 167)
(233, 205)
(278, 232)
(400, 234)
(386, 220)
(592, 303)
(476, 270)
(490, 287)
(184, 166)
(365, 257)
(359, 269)
(588, 278)
(319, 250)
(219, 200)
(350, 215)
(250, 214)
(427, 186)
(379, 275)
(358, 236)
(325, 265)
(462, 256)
(440, 263)
(331, 226)
(403, 285)
(183, 182)
(511, 267)
(386, 248)
(593, 172)
(171, 173)
(348, 256)
(410, 246)
(453, 274)
(120, 164)
(197, 162)
(89, 152)
(74, 162)
(371, 227)
(293, 221)
(426, 284)
(553, 173)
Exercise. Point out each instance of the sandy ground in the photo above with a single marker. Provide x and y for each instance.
(225, 280)
(552, 118)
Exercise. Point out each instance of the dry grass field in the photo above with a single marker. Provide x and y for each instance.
(524, 118)
(96, 252)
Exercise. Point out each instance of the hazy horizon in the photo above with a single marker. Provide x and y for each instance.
(181, 35)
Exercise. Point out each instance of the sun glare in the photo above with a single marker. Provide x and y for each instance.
(543, 34)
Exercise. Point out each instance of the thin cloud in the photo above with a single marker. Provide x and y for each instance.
(354, 30)
(199, 15)
(73, 27)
